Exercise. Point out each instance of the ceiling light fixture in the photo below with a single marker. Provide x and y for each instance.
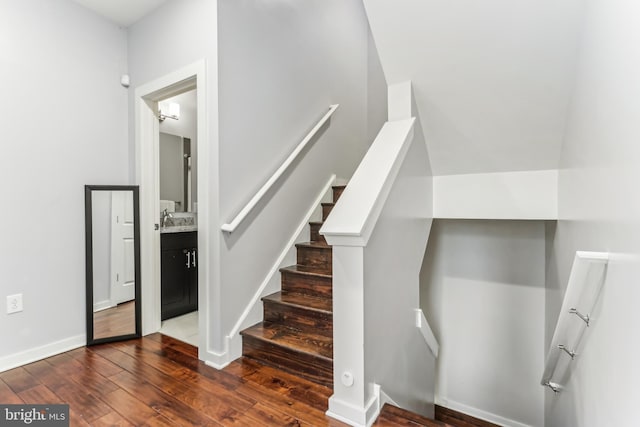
(172, 109)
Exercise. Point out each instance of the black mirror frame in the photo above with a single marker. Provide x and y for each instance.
(88, 189)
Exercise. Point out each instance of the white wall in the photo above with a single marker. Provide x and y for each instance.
(177, 34)
(600, 210)
(396, 356)
(377, 105)
(64, 125)
(502, 195)
(281, 65)
(482, 290)
(492, 79)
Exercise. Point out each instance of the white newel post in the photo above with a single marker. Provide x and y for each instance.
(350, 402)
(348, 230)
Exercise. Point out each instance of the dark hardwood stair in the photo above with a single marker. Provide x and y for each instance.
(315, 231)
(302, 279)
(297, 332)
(304, 312)
(316, 255)
(326, 210)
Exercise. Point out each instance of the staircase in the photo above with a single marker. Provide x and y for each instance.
(297, 332)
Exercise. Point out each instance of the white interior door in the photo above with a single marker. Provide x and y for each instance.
(122, 248)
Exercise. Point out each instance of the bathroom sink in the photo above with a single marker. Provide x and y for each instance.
(179, 222)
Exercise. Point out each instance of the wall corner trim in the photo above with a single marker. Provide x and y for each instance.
(423, 325)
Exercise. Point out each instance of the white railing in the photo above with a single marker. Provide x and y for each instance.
(352, 223)
(231, 226)
(378, 230)
(585, 283)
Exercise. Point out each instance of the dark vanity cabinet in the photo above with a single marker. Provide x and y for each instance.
(179, 273)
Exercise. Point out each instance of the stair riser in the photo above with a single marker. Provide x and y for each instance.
(326, 210)
(310, 285)
(299, 318)
(304, 365)
(317, 257)
(337, 192)
(315, 233)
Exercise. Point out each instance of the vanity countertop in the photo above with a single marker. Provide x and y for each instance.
(178, 229)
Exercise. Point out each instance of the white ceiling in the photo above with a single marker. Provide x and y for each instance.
(122, 12)
(492, 78)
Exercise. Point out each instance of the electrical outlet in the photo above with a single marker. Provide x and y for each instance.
(14, 303)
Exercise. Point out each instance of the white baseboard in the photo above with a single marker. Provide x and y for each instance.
(217, 360)
(102, 305)
(479, 413)
(33, 355)
(355, 415)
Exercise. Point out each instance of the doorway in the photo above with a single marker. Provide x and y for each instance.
(179, 217)
(148, 97)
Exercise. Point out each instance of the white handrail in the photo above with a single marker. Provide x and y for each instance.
(353, 219)
(230, 227)
(580, 298)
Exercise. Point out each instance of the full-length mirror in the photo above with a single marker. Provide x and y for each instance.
(113, 262)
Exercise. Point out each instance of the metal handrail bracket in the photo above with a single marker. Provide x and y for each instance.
(580, 297)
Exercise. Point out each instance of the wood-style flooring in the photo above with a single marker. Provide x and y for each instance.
(115, 321)
(159, 381)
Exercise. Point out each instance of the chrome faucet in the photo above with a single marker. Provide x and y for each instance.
(163, 218)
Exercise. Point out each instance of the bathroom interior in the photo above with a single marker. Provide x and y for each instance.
(178, 217)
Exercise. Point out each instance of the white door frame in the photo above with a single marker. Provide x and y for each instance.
(147, 176)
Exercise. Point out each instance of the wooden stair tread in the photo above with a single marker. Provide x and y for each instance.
(296, 334)
(392, 415)
(314, 245)
(322, 305)
(303, 342)
(306, 270)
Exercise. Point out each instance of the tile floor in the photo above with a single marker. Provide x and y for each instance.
(183, 328)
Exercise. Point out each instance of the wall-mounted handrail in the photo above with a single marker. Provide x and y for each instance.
(580, 298)
(231, 226)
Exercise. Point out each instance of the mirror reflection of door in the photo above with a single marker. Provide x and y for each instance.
(111, 266)
(122, 254)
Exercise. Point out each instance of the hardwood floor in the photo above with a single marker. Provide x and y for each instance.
(119, 320)
(393, 416)
(159, 381)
